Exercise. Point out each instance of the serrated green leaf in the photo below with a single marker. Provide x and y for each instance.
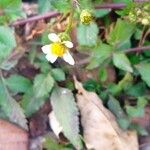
(31, 103)
(58, 74)
(121, 34)
(122, 62)
(18, 83)
(144, 70)
(7, 42)
(87, 34)
(12, 110)
(42, 85)
(99, 55)
(101, 12)
(66, 112)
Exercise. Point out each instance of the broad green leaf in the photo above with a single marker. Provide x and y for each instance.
(61, 5)
(31, 103)
(122, 62)
(121, 34)
(7, 42)
(99, 55)
(12, 110)
(58, 74)
(44, 6)
(18, 83)
(42, 85)
(66, 112)
(103, 74)
(144, 70)
(101, 12)
(87, 34)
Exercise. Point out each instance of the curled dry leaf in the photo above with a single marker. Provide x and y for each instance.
(12, 137)
(100, 129)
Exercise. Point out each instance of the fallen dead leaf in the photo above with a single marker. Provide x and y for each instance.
(100, 130)
(12, 137)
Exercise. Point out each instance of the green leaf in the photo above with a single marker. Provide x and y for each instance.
(87, 34)
(58, 74)
(61, 5)
(18, 83)
(99, 55)
(103, 74)
(121, 34)
(31, 103)
(66, 112)
(114, 106)
(134, 111)
(10, 107)
(42, 85)
(144, 70)
(44, 6)
(7, 42)
(122, 62)
(101, 12)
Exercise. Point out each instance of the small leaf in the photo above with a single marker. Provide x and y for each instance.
(30, 103)
(44, 6)
(58, 74)
(18, 83)
(144, 70)
(42, 85)
(122, 62)
(7, 42)
(66, 112)
(99, 55)
(121, 34)
(101, 12)
(87, 34)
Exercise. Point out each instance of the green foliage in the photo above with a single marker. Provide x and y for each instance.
(11, 10)
(58, 74)
(44, 6)
(85, 36)
(122, 62)
(119, 38)
(17, 83)
(101, 12)
(51, 144)
(10, 109)
(114, 106)
(66, 112)
(99, 55)
(144, 70)
(7, 42)
(42, 85)
(138, 110)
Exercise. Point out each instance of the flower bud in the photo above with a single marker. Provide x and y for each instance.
(145, 21)
(86, 17)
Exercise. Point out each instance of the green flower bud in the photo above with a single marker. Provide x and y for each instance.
(86, 16)
(64, 36)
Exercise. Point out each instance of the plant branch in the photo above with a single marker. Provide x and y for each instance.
(137, 49)
(55, 14)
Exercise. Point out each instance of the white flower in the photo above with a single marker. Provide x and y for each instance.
(58, 49)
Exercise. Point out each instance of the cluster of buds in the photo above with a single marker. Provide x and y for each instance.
(140, 13)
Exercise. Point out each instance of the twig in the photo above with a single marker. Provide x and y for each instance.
(137, 49)
(54, 14)
(35, 18)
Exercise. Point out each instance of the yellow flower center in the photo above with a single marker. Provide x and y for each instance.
(58, 49)
(86, 17)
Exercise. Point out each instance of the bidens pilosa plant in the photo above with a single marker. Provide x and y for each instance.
(105, 45)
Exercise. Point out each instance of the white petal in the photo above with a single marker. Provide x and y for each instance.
(54, 124)
(68, 58)
(50, 57)
(45, 48)
(68, 44)
(54, 37)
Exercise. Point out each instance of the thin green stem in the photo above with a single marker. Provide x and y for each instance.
(69, 26)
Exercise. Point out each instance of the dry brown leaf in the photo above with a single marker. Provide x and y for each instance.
(100, 130)
(12, 137)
